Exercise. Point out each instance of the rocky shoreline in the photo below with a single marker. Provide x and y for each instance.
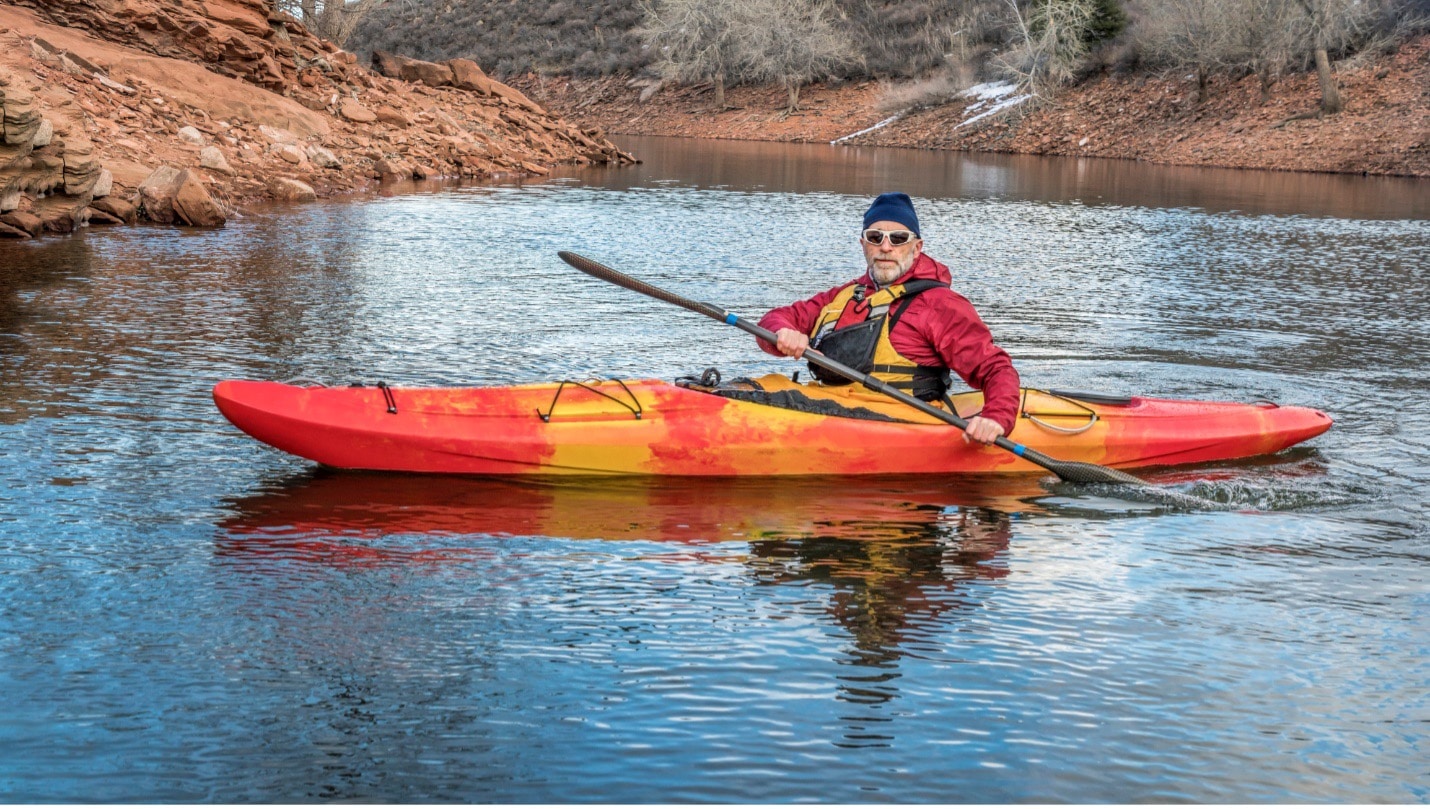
(183, 112)
(1385, 129)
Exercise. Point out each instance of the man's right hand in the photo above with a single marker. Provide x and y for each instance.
(791, 343)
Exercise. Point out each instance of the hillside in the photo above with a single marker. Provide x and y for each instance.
(598, 37)
(1243, 96)
(509, 37)
(1385, 128)
(184, 110)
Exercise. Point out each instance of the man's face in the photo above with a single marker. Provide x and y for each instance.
(886, 261)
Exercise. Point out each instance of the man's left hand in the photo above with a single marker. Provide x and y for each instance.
(982, 430)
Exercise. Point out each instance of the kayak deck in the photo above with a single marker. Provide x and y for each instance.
(650, 427)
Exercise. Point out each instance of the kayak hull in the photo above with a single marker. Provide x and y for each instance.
(649, 427)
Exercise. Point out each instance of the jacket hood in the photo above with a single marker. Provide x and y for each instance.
(925, 267)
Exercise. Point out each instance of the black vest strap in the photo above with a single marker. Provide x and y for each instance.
(856, 345)
(911, 291)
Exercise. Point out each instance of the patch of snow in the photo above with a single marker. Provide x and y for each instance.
(998, 91)
(892, 118)
(991, 91)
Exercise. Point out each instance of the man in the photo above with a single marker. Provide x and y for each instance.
(902, 323)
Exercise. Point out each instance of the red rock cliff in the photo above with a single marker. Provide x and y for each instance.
(180, 110)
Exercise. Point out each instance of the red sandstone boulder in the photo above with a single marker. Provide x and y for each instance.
(156, 194)
(193, 206)
(431, 74)
(170, 195)
(60, 218)
(97, 217)
(27, 223)
(388, 64)
(235, 15)
(388, 115)
(516, 97)
(355, 112)
(289, 190)
(121, 209)
(467, 75)
(390, 169)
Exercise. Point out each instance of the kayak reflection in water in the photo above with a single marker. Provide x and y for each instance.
(899, 557)
(879, 539)
(901, 323)
(338, 515)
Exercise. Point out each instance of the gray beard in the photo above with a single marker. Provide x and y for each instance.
(882, 277)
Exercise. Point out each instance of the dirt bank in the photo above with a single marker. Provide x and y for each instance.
(183, 111)
(1384, 130)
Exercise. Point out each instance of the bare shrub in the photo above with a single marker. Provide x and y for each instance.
(938, 89)
(333, 20)
(1050, 40)
(899, 37)
(793, 42)
(1328, 26)
(732, 41)
(696, 40)
(916, 40)
(1267, 37)
(1190, 34)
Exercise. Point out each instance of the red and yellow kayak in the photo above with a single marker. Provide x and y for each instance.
(650, 427)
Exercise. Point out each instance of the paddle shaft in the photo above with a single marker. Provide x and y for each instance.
(1075, 471)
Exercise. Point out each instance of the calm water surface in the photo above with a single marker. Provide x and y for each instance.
(186, 615)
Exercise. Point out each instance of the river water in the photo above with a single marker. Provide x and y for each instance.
(186, 615)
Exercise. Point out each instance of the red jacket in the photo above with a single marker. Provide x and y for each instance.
(940, 328)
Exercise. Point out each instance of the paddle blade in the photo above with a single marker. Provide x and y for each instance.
(620, 279)
(1080, 472)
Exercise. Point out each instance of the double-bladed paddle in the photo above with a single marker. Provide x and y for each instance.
(1072, 471)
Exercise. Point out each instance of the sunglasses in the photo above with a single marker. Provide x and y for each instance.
(897, 238)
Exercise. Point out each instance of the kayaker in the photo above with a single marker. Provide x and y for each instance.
(902, 323)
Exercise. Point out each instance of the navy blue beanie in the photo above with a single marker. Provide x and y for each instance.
(893, 207)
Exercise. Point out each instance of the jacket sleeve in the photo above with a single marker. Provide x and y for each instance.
(965, 345)
(799, 316)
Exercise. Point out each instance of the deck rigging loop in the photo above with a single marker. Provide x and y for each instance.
(388, 397)
(1089, 412)
(634, 405)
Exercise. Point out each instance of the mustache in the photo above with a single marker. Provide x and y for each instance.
(902, 265)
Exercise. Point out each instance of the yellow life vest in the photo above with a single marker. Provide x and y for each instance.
(853, 329)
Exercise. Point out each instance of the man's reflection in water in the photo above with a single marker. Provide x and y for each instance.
(901, 560)
(893, 595)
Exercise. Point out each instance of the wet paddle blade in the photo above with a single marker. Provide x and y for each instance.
(1080, 472)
